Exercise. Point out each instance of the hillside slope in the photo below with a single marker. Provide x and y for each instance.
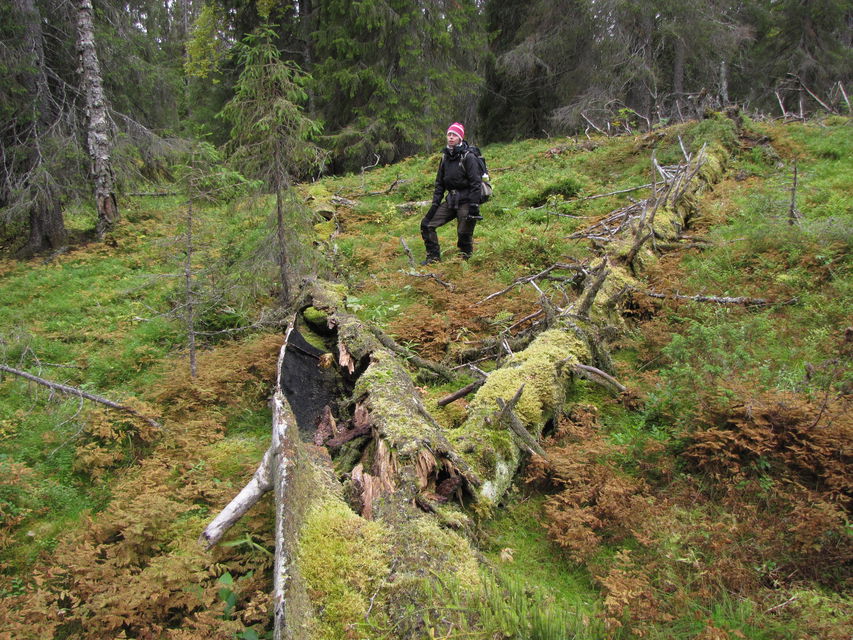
(708, 500)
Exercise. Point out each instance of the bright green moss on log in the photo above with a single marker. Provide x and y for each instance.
(544, 368)
(343, 560)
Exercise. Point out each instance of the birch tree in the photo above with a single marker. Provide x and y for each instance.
(99, 130)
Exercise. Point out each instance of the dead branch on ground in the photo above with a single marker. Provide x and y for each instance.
(746, 301)
(545, 273)
(598, 376)
(461, 393)
(414, 358)
(74, 391)
(447, 285)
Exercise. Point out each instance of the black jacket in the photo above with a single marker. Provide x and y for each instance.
(458, 176)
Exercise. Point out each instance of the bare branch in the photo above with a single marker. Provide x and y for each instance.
(74, 391)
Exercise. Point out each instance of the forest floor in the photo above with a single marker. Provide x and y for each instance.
(711, 500)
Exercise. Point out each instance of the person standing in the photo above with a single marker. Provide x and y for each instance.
(460, 178)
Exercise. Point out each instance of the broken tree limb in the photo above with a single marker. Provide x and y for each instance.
(601, 272)
(249, 495)
(74, 391)
(597, 375)
(610, 193)
(461, 393)
(508, 417)
(409, 255)
(559, 266)
(447, 285)
(750, 302)
(263, 479)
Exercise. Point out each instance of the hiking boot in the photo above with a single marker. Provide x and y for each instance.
(430, 260)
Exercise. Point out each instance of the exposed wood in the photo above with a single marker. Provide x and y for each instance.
(248, 496)
(818, 100)
(592, 124)
(74, 391)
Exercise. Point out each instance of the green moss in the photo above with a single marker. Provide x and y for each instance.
(343, 560)
(535, 368)
(391, 400)
(714, 167)
(543, 370)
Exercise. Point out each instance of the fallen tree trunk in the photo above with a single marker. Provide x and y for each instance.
(406, 467)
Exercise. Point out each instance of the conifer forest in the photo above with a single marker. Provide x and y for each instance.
(249, 390)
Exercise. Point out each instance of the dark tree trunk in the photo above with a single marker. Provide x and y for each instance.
(46, 224)
(678, 68)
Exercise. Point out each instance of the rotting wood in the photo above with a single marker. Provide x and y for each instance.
(746, 301)
(74, 391)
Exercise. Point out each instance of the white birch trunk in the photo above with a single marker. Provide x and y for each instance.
(99, 136)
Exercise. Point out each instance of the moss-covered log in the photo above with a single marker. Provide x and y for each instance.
(367, 548)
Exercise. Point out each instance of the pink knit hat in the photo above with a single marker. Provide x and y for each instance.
(458, 129)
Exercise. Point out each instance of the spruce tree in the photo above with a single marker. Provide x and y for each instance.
(391, 74)
(271, 135)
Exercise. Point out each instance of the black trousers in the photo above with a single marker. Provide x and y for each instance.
(443, 215)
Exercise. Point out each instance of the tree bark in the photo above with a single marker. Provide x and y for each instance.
(99, 134)
(46, 223)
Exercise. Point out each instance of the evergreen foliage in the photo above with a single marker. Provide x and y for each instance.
(390, 74)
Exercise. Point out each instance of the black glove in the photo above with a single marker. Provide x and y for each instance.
(474, 212)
